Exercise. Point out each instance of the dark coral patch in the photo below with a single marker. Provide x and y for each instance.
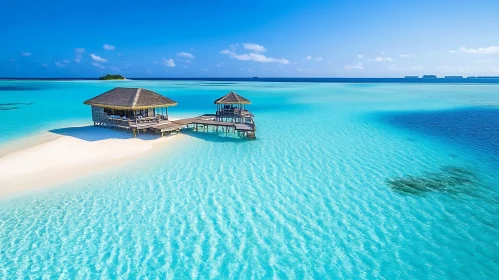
(449, 179)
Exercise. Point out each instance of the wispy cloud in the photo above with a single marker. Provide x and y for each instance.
(60, 64)
(25, 54)
(357, 66)
(45, 65)
(109, 47)
(359, 56)
(97, 58)
(406, 69)
(309, 58)
(98, 65)
(253, 56)
(405, 55)
(254, 47)
(204, 70)
(381, 59)
(487, 50)
(186, 55)
(79, 54)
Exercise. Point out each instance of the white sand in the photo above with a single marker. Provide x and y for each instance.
(69, 154)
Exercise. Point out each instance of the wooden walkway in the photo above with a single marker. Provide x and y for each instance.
(201, 121)
(164, 126)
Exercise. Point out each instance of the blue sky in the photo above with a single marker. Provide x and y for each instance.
(280, 38)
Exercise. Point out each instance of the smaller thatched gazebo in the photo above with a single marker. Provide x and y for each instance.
(232, 107)
(129, 104)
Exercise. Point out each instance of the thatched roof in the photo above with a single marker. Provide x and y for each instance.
(130, 99)
(232, 98)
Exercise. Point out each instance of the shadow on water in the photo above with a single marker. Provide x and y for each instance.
(476, 128)
(452, 180)
(94, 133)
(211, 136)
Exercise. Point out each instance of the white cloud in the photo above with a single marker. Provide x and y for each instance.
(204, 70)
(405, 55)
(97, 58)
(65, 61)
(45, 65)
(109, 47)
(79, 50)
(487, 50)
(254, 47)
(168, 62)
(58, 64)
(77, 59)
(220, 64)
(185, 55)
(309, 57)
(25, 54)
(383, 53)
(255, 57)
(318, 58)
(381, 59)
(359, 56)
(357, 66)
(98, 65)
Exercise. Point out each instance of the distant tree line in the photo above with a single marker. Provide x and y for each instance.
(112, 77)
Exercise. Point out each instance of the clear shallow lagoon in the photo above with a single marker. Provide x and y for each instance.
(345, 181)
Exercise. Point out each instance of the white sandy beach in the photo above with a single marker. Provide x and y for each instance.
(69, 154)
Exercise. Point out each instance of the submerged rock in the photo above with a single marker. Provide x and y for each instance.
(449, 179)
(13, 106)
(8, 108)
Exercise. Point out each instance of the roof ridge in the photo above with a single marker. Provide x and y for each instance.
(136, 98)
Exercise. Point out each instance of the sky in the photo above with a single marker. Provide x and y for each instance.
(272, 38)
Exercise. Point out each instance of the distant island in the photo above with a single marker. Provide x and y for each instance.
(112, 77)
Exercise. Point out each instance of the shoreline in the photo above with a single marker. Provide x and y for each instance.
(50, 159)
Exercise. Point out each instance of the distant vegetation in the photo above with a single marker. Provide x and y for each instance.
(112, 77)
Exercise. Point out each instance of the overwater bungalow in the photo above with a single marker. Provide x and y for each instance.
(232, 107)
(139, 109)
(132, 109)
(231, 115)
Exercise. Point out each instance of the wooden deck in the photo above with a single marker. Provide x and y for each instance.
(205, 121)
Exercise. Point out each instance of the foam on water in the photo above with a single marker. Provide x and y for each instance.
(338, 185)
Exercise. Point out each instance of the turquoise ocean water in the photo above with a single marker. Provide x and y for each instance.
(345, 180)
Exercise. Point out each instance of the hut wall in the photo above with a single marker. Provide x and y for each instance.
(150, 112)
(98, 115)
